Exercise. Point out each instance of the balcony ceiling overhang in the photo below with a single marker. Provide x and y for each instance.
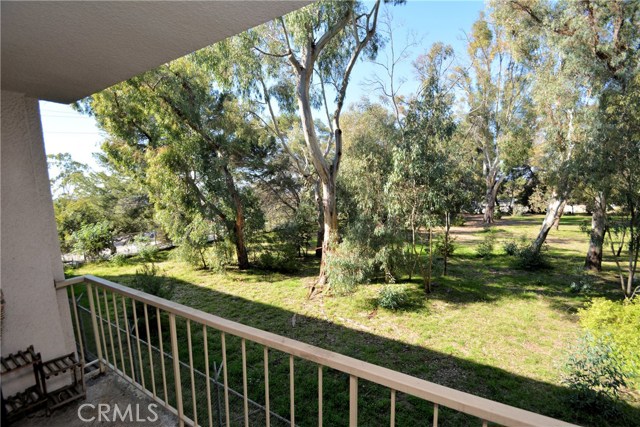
(62, 51)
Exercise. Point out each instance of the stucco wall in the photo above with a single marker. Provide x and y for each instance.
(35, 313)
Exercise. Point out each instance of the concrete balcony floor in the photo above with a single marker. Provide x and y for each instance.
(110, 389)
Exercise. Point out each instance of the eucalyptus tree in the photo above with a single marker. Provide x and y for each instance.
(615, 159)
(297, 62)
(429, 181)
(369, 140)
(563, 116)
(498, 118)
(188, 143)
(600, 39)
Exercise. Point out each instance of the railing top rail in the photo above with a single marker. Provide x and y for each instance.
(464, 402)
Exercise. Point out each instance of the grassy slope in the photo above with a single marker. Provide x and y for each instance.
(487, 328)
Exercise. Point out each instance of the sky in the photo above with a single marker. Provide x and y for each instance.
(66, 131)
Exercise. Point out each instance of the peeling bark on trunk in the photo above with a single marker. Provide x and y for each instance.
(554, 212)
(330, 237)
(493, 185)
(556, 222)
(593, 260)
(320, 208)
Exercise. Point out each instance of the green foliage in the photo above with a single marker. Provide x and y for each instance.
(151, 280)
(281, 262)
(511, 248)
(595, 376)
(485, 248)
(92, 239)
(519, 210)
(443, 246)
(84, 197)
(525, 257)
(348, 266)
(392, 297)
(119, 260)
(147, 251)
(529, 259)
(616, 323)
(584, 283)
(220, 256)
(279, 252)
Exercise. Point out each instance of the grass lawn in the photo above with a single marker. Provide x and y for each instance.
(487, 328)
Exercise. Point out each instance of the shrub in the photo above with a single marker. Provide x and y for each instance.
(348, 266)
(525, 257)
(147, 251)
(485, 248)
(583, 284)
(92, 239)
(119, 260)
(392, 297)
(616, 323)
(457, 221)
(519, 210)
(528, 259)
(279, 262)
(220, 256)
(595, 375)
(149, 279)
(443, 247)
(511, 248)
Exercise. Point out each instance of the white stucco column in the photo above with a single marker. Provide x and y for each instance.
(35, 313)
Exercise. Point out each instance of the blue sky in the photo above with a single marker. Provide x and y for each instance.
(429, 21)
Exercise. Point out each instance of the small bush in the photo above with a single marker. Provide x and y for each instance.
(583, 284)
(528, 259)
(147, 251)
(348, 266)
(392, 297)
(119, 260)
(279, 262)
(595, 376)
(617, 323)
(485, 248)
(519, 210)
(92, 239)
(220, 256)
(149, 279)
(457, 221)
(511, 248)
(443, 248)
(525, 257)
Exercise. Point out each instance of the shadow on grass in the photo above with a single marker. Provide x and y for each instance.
(458, 373)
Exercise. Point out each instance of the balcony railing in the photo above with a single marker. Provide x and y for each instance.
(122, 327)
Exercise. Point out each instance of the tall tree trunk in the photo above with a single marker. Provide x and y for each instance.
(447, 231)
(427, 280)
(320, 208)
(593, 260)
(330, 238)
(493, 185)
(634, 251)
(556, 221)
(554, 212)
(238, 223)
(241, 249)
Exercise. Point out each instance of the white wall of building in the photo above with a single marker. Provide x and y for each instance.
(34, 313)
